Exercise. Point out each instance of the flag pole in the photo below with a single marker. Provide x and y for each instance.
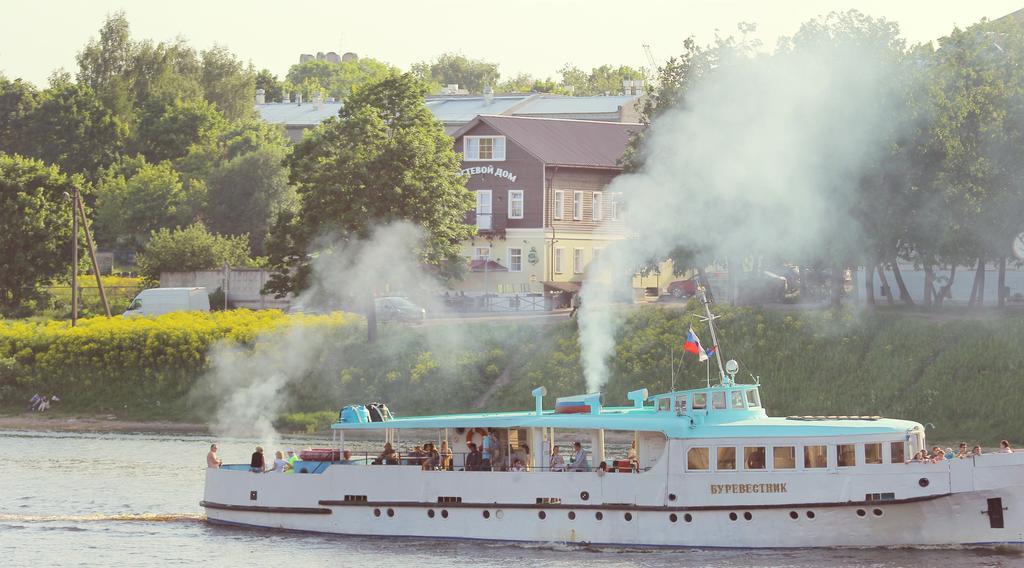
(672, 365)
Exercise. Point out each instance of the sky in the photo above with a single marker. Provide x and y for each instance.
(532, 36)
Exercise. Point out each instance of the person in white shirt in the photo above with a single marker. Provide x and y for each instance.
(557, 461)
(281, 465)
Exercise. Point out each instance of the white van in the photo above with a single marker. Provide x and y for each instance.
(156, 301)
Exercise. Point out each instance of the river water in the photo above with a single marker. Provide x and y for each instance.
(77, 499)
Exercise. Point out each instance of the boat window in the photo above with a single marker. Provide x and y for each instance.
(753, 458)
(753, 399)
(815, 457)
(873, 453)
(897, 452)
(700, 400)
(664, 404)
(726, 457)
(681, 404)
(785, 457)
(697, 459)
(718, 400)
(736, 399)
(847, 454)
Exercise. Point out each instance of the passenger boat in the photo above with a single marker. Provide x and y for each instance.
(713, 469)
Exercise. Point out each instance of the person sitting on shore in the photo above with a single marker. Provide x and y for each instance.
(212, 461)
(474, 458)
(976, 451)
(1004, 447)
(33, 402)
(256, 463)
(579, 459)
(557, 461)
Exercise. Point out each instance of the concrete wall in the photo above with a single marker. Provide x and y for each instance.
(243, 286)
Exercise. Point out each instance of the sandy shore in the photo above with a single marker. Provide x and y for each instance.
(56, 423)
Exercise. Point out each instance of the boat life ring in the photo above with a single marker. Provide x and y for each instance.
(472, 433)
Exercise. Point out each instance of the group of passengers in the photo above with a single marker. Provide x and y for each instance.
(939, 455)
(428, 456)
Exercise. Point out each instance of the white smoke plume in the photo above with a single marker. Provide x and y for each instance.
(761, 159)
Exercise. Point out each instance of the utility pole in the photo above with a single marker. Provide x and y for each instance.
(80, 207)
(74, 258)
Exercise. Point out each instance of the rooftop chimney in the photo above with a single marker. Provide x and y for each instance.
(287, 98)
(261, 96)
(488, 95)
(298, 98)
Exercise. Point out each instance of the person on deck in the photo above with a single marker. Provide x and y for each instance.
(256, 463)
(557, 461)
(490, 443)
(474, 458)
(346, 458)
(579, 459)
(280, 464)
(212, 461)
(446, 456)
(1004, 447)
(291, 458)
(387, 457)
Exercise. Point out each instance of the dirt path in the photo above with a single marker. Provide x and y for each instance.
(56, 423)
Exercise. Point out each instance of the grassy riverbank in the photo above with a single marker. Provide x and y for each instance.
(961, 375)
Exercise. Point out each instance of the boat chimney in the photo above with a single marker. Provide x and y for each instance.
(638, 397)
(538, 398)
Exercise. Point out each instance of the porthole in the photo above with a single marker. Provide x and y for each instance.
(794, 515)
(876, 512)
(572, 515)
(748, 516)
(542, 515)
(671, 496)
(810, 514)
(861, 512)
(732, 516)
(585, 495)
(487, 514)
(923, 482)
(628, 516)
(599, 515)
(391, 512)
(444, 513)
(688, 517)
(376, 512)
(430, 513)
(673, 517)
(499, 514)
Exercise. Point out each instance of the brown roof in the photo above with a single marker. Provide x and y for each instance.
(563, 142)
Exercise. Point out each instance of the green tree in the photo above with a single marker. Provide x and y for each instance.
(228, 84)
(17, 100)
(35, 227)
(246, 193)
(526, 83)
(384, 158)
(191, 248)
(603, 80)
(167, 130)
(457, 69)
(273, 89)
(337, 79)
(137, 197)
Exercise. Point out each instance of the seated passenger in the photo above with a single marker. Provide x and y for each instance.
(474, 458)
(557, 461)
(431, 457)
(937, 454)
(634, 461)
(281, 465)
(1004, 447)
(256, 463)
(962, 451)
(579, 459)
(388, 456)
(976, 451)
(346, 458)
(602, 468)
(517, 465)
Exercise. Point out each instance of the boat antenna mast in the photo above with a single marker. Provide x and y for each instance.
(710, 318)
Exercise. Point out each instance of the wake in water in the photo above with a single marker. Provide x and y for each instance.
(135, 517)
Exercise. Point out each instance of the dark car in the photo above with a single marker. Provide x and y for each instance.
(395, 308)
(761, 287)
(683, 288)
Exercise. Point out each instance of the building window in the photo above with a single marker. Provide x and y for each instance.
(784, 457)
(483, 209)
(595, 212)
(726, 459)
(577, 261)
(484, 148)
(613, 208)
(815, 457)
(515, 260)
(846, 455)
(559, 204)
(559, 260)
(697, 459)
(595, 254)
(515, 204)
(753, 458)
(577, 205)
(897, 452)
(481, 253)
(873, 453)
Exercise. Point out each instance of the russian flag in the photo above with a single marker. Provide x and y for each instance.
(692, 345)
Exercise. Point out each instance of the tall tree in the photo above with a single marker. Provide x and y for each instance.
(335, 79)
(273, 89)
(227, 83)
(457, 69)
(603, 80)
(384, 158)
(35, 227)
(191, 248)
(17, 101)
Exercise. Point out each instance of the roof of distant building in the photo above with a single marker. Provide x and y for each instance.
(556, 141)
(461, 108)
(559, 104)
(294, 114)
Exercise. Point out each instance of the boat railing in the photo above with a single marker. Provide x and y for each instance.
(448, 463)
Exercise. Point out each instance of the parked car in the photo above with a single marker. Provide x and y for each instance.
(396, 308)
(156, 301)
(760, 287)
(683, 288)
